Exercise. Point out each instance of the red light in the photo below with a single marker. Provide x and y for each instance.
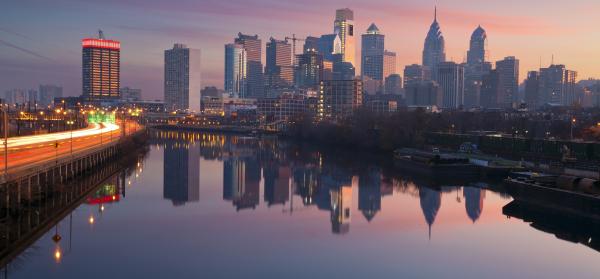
(98, 43)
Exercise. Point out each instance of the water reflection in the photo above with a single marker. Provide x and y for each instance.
(181, 172)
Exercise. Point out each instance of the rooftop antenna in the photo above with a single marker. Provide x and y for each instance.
(552, 59)
(100, 34)
(435, 13)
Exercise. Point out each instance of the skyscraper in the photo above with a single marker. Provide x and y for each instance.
(389, 63)
(451, 80)
(235, 70)
(476, 67)
(343, 26)
(491, 95)
(372, 54)
(508, 69)
(182, 78)
(393, 84)
(532, 90)
(328, 45)
(309, 71)
(279, 71)
(557, 85)
(434, 48)
(254, 67)
(311, 44)
(48, 92)
(181, 182)
(100, 68)
(415, 74)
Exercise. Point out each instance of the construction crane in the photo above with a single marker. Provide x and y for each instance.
(294, 39)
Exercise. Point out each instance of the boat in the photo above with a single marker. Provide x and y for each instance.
(572, 195)
(433, 163)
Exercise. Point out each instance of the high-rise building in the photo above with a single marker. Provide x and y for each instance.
(309, 71)
(434, 51)
(532, 90)
(48, 92)
(557, 85)
(329, 45)
(415, 74)
(15, 96)
(338, 99)
(372, 54)
(476, 67)
(182, 78)
(100, 68)
(131, 94)
(451, 79)
(343, 26)
(279, 72)
(393, 84)
(508, 69)
(311, 44)
(491, 93)
(425, 93)
(235, 70)
(211, 91)
(389, 63)
(254, 67)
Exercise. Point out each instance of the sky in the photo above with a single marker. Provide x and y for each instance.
(40, 40)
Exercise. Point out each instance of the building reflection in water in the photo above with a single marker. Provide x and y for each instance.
(431, 200)
(241, 182)
(473, 202)
(181, 172)
(277, 184)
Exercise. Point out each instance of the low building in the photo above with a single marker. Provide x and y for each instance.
(338, 99)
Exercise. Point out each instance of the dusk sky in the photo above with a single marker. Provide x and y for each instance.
(40, 40)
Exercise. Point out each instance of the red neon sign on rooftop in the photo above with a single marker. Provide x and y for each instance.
(100, 43)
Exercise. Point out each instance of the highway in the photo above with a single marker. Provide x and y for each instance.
(23, 151)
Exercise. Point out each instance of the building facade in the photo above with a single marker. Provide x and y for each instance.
(434, 50)
(101, 69)
(343, 26)
(477, 66)
(508, 69)
(48, 92)
(451, 78)
(131, 94)
(338, 99)
(415, 74)
(235, 70)
(254, 67)
(372, 53)
(182, 83)
(279, 72)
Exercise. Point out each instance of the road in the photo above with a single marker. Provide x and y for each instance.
(28, 150)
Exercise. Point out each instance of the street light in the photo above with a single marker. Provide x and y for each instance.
(70, 123)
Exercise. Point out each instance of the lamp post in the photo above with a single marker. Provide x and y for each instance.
(5, 114)
(70, 123)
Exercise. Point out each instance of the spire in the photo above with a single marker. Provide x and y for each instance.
(435, 14)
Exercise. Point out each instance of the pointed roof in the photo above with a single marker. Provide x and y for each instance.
(373, 29)
(479, 33)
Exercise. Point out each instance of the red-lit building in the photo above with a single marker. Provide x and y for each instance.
(100, 69)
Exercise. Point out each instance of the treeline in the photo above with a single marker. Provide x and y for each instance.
(405, 128)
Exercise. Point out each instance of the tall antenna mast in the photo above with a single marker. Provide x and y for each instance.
(100, 34)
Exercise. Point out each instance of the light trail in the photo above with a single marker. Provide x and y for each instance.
(96, 129)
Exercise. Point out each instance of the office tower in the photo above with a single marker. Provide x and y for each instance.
(15, 96)
(32, 97)
(100, 69)
(532, 90)
(328, 45)
(425, 93)
(372, 53)
(393, 84)
(48, 92)
(181, 168)
(338, 99)
(309, 70)
(235, 70)
(254, 67)
(508, 69)
(343, 26)
(279, 72)
(343, 70)
(434, 48)
(557, 85)
(341, 204)
(182, 78)
(491, 93)
(311, 44)
(415, 74)
(389, 63)
(476, 67)
(131, 94)
(451, 80)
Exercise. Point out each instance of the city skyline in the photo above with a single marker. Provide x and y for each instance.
(33, 55)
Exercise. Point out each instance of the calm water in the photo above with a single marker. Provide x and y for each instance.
(212, 206)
